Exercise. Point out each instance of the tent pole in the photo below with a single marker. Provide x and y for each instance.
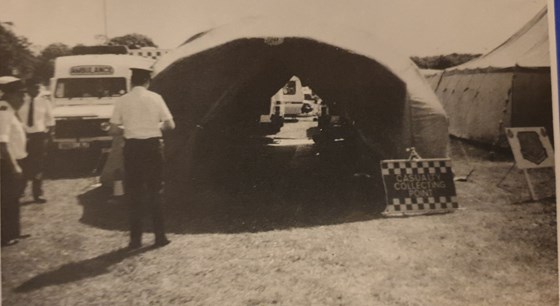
(510, 105)
(410, 119)
(530, 183)
(507, 173)
(439, 82)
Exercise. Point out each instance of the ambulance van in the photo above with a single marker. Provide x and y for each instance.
(83, 91)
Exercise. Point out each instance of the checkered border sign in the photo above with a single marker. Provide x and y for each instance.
(418, 204)
(415, 167)
(421, 203)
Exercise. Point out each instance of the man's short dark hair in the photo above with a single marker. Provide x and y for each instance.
(139, 77)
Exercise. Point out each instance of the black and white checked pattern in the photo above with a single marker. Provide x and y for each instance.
(415, 167)
(150, 52)
(419, 204)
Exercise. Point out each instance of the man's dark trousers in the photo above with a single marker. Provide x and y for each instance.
(33, 164)
(143, 165)
(9, 186)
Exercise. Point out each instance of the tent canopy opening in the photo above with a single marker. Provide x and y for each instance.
(222, 82)
(240, 77)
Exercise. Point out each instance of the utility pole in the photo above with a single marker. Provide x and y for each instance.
(103, 39)
(105, 21)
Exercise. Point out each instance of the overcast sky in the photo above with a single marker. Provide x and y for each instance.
(417, 27)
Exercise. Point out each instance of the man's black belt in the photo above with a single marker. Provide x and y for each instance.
(139, 141)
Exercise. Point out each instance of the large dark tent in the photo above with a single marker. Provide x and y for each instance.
(222, 80)
(507, 87)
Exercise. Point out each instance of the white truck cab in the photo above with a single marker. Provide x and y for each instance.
(83, 91)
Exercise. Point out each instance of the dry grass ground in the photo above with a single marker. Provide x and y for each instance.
(233, 247)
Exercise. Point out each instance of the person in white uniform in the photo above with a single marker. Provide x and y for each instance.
(143, 115)
(36, 115)
(12, 149)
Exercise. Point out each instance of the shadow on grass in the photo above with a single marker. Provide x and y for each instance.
(256, 188)
(76, 271)
(241, 207)
(102, 210)
(476, 151)
(254, 195)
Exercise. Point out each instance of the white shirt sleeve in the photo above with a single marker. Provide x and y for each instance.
(5, 122)
(116, 118)
(49, 118)
(164, 113)
(23, 111)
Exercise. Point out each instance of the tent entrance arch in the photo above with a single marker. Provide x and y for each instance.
(228, 86)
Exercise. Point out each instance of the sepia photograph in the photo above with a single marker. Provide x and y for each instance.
(278, 152)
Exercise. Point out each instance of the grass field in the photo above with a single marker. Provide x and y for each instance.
(234, 246)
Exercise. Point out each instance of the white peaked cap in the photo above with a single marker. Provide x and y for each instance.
(7, 79)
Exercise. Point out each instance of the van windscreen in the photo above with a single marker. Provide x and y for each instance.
(90, 87)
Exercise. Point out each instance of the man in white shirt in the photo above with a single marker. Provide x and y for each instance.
(143, 115)
(36, 115)
(12, 149)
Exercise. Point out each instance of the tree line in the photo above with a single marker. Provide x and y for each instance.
(18, 59)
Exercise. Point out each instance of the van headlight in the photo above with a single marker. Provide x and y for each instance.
(105, 126)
